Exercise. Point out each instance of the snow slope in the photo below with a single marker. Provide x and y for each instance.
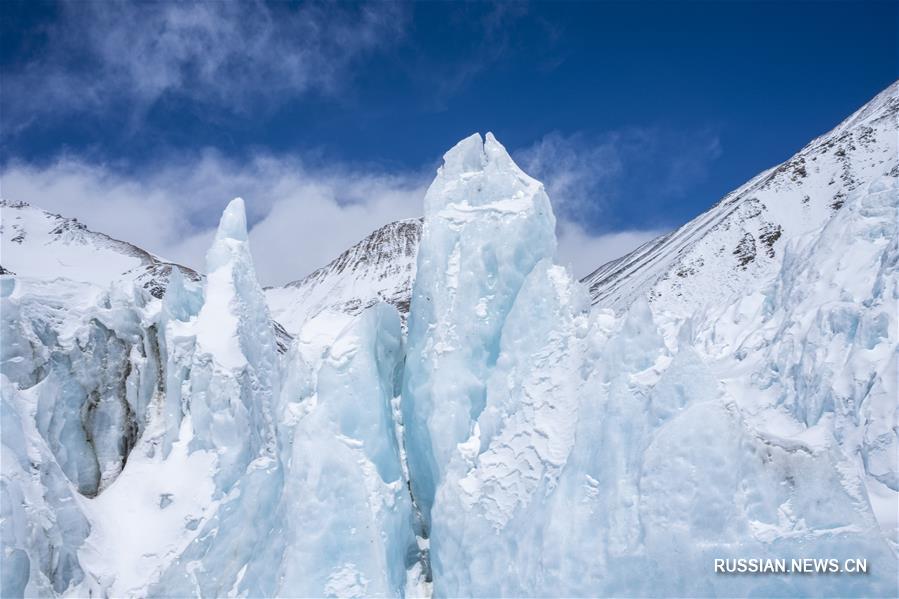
(380, 268)
(43, 245)
(740, 241)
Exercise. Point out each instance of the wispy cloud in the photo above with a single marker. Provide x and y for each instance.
(577, 174)
(589, 175)
(231, 56)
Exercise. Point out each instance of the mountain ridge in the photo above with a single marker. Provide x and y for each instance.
(815, 179)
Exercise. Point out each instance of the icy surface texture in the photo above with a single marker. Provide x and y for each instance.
(232, 391)
(487, 224)
(828, 345)
(494, 484)
(75, 374)
(177, 343)
(87, 359)
(234, 378)
(348, 516)
(330, 513)
(41, 524)
(519, 444)
(179, 391)
(616, 455)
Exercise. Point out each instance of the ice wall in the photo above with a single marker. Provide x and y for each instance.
(322, 508)
(41, 524)
(177, 343)
(223, 375)
(87, 358)
(80, 373)
(487, 224)
(143, 416)
(496, 480)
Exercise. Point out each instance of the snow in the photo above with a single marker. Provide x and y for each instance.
(41, 525)
(218, 320)
(696, 266)
(56, 255)
(711, 430)
(517, 442)
(46, 246)
(347, 514)
(378, 268)
(140, 520)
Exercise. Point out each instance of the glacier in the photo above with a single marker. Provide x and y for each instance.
(516, 433)
(570, 453)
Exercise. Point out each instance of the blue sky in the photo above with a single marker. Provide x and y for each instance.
(143, 119)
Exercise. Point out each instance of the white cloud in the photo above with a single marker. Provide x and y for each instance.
(301, 217)
(577, 174)
(586, 175)
(584, 252)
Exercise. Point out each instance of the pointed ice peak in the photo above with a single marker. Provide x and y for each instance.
(478, 172)
(230, 237)
(474, 153)
(495, 151)
(466, 156)
(230, 282)
(233, 224)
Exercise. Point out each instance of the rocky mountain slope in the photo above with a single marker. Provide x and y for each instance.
(381, 267)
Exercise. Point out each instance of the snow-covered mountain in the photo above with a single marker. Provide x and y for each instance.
(740, 241)
(37, 244)
(381, 267)
(726, 391)
(43, 245)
